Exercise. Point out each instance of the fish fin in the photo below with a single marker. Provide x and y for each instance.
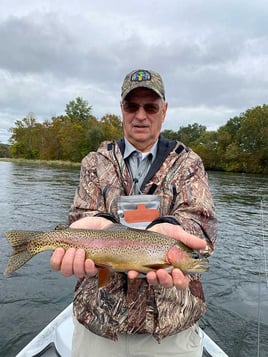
(120, 227)
(104, 277)
(18, 241)
(116, 227)
(16, 261)
(61, 227)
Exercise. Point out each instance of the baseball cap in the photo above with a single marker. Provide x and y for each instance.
(143, 78)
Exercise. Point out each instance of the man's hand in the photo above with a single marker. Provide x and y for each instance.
(72, 261)
(176, 278)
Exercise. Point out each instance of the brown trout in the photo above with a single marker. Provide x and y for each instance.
(117, 249)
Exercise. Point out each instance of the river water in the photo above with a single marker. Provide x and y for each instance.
(37, 197)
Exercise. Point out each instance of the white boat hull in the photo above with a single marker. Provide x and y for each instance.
(56, 339)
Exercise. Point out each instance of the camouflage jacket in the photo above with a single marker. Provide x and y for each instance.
(177, 175)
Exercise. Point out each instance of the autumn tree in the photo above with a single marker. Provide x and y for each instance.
(111, 126)
(24, 138)
(51, 138)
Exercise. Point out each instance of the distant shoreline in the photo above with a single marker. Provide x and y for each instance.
(55, 163)
(70, 164)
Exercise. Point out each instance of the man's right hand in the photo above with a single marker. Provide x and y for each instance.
(73, 261)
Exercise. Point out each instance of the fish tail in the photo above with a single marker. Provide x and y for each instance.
(21, 254)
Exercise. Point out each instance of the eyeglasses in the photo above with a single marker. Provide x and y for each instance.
(150, 108)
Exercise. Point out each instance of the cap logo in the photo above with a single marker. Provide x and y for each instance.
(140, 76)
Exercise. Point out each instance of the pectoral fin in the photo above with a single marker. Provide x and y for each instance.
(104, 277)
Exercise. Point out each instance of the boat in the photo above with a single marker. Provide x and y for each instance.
(56, 340)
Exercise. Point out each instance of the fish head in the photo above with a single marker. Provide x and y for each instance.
(180, 259)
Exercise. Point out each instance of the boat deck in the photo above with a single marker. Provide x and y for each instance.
(55, 340)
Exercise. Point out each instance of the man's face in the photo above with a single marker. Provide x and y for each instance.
(143, 113)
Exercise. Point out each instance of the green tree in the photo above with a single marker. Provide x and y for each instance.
(252, 138)
(243, 141)
(78, 109)
(94, 136)
(205, 146)
(227, 137)
(191, 133)
(170, 134)
(4, 150)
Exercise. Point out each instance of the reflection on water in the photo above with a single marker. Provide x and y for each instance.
(38, 197)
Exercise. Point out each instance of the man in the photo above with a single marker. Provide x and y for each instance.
(155, 315)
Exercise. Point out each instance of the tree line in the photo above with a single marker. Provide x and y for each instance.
(65, 137)
(241, 145)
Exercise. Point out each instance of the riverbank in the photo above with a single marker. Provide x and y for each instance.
(53, 163)
(71, 164)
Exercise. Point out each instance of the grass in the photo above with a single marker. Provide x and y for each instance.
(55, 163)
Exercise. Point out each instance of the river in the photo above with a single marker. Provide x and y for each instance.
(36, 197)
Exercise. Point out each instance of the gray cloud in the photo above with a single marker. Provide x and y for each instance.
(213, 58)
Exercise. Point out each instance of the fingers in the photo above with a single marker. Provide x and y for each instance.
(180, 280)
(91, 223)
(90, 268)
(78, 267)
(132, 274)
(180, 234)
(67, 262)
(72, 262)
(56, 259)
(163, 278)
(190, 240)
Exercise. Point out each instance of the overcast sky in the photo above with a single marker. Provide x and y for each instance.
(212, 55)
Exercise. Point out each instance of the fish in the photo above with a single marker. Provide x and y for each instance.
(115, 249)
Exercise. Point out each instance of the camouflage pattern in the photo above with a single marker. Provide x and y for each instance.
(135, 307)
(143, 78)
